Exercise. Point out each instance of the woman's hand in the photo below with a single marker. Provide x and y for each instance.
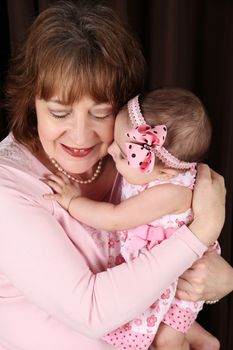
(199, 282)
(208, 205)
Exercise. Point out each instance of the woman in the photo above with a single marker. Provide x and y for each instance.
(78, 67)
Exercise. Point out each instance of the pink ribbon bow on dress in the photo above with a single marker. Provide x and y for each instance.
(145, 139)
(148, 236)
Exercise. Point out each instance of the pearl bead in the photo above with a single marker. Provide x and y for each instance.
(83, 182)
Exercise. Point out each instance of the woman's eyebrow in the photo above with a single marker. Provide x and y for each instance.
(56, 100)
(102, 106)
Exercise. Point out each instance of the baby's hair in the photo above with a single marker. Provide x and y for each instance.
(188, 125)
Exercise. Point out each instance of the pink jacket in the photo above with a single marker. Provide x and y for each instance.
(56, 292)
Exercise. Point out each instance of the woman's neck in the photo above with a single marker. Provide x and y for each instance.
(100, 188)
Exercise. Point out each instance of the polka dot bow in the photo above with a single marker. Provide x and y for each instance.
(145, 140)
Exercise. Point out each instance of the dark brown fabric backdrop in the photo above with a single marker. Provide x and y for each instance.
(186, 43)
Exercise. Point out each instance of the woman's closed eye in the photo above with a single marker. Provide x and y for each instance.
(59, 114)
(101, 111)
(100, 116)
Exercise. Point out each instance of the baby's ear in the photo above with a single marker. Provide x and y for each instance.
(167, 173)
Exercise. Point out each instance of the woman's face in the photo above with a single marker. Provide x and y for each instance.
(77, 135)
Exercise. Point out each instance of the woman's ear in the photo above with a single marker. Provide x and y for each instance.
(167, 173)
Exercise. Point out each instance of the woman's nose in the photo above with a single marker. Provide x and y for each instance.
(81, 130)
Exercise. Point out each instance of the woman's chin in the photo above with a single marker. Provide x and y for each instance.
(79, 166)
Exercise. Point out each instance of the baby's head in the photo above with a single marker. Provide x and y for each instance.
(179, 118)
(188, 126)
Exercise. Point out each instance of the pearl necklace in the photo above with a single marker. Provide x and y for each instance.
(83, 182)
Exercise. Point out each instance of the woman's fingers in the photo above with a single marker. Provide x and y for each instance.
(189, 291)
(184, 295)
(209, 188)
(208, 204)
(199, 282)
(219, 178)
(193, 284)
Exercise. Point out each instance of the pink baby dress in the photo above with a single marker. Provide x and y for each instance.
(167, 309)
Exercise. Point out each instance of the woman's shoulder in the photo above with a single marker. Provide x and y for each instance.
(14, 155)
(19, 172)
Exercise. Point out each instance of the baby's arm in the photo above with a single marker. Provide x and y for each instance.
(135, 211)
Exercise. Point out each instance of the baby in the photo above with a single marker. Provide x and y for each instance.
(157, 144)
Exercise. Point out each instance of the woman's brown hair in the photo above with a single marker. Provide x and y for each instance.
(73, 48)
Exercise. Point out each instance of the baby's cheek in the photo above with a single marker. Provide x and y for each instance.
(127, 171)
(121, 167)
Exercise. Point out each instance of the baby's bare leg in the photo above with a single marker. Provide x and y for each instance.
(200, 339)
(168, 338)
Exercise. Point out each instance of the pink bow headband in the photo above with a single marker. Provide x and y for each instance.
(148, 142)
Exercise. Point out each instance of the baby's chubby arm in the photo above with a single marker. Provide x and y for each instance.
(135, 211)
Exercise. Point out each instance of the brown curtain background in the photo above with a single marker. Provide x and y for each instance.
(187, 43)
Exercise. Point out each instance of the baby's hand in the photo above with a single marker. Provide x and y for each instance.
(64, 190)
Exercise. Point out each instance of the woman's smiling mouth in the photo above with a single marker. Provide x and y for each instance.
(77, 152)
